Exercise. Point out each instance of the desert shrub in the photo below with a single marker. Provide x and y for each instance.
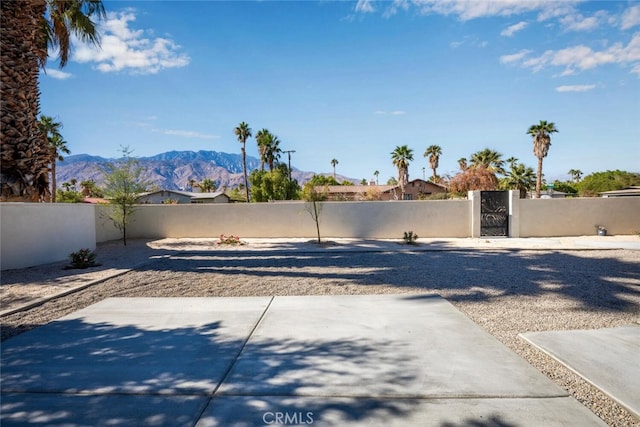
(84, 258)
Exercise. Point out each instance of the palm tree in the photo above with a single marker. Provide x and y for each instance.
(268, 147)
(401, 157)
(376, 174)
(89, 188)
(489, 159)
(207, 186)
(512, 161)
(520, 177)
(462, 163)
(272, 153)
(56, 144)
(27, 31)
(262, 139)
(576, 174)
(433, 152)
(243, 132)
(541, 142)
(334, 162)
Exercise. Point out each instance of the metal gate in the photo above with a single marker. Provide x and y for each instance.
(494, 213)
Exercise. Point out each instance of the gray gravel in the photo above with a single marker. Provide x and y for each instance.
(506, 292)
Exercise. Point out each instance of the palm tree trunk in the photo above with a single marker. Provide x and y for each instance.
(24, 162)
(244, 169)
(53, 178)
(539, 178)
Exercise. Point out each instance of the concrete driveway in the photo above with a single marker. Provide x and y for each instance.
(383, 360)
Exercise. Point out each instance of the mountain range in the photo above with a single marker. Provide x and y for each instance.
(173, 170)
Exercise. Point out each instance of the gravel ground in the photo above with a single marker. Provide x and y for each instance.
(506, 292)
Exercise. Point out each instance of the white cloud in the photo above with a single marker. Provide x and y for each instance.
(471, 9)
(515, 57)
(125, 49)
(630, 18)
(577, 22)
(512, 29)
(57, 74)
(365, 6)
(390, 113)
(575, 88)
(469, 40)
(582, 57)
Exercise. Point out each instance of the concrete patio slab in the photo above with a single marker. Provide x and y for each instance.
(607, 358)
(348, 360)
(378, 346)
(139, 345)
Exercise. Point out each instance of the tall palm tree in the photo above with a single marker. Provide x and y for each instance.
(243, 132)
(56, 144)
(27, 31)
(263, 140)
(462, 163)
(401, 157)
(541, 142)
(334, 162)
(433, 152)
(272, 153)
(376, 174)
(576, 175)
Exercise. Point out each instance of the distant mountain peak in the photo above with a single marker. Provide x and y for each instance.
(172, 170)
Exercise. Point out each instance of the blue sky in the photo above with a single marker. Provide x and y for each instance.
(353, 80)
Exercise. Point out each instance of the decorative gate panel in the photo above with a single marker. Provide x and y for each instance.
(494, 213)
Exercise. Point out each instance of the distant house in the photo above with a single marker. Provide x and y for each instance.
(95, 200)
(414, 190)
(181, 197)
(417, 189)
(551, 194)
(633, 191)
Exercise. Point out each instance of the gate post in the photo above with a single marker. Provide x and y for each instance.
(514, 213)
(476, 202)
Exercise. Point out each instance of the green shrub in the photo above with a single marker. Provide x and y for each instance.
(84, 258)
(229, 240)
(410, 237)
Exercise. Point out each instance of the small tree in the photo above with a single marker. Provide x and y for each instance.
(123, 185)
(273, 185)
(313, 198)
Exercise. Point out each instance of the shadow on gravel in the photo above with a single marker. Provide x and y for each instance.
(596, 283)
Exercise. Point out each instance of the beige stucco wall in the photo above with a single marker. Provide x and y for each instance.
(40, 233)
(440, 218)
(579, 216)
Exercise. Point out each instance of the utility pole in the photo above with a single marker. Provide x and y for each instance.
(289, 154)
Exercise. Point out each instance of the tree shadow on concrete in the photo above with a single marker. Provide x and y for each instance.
(72, 372)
